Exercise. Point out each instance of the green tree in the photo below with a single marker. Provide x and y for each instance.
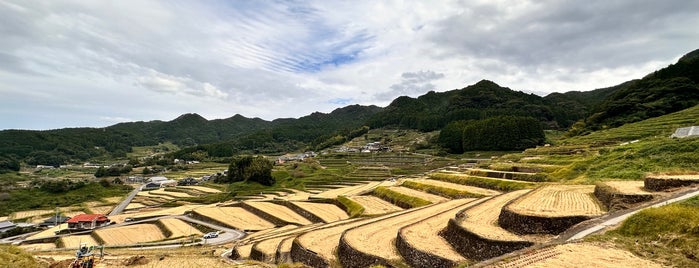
(248, 168)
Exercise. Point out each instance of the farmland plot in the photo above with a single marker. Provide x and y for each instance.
(268, 248)
(577, 255)
(49, 232)
(559, 201)
(130, 234)
(324, 241)
(460, 187)
(419, 194)
(424, 235)
(374, 205)
(179, 228)
(158, 212)
(29, 213)
(161, 192)
(377, 238)
(38, 246)
(327, 212)
(100, 209)
(483, 219)
(202, 189)
(236, 217)
(281, 212)
(134, 206)
(627, 187)
(352, 190)
(148, 194)
(73, 241)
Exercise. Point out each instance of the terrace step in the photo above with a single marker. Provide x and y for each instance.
(475, 233)
(373, 243)
(510, 175)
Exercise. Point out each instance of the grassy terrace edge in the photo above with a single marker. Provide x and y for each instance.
(438, 190)
(399, 199)
(482, 182)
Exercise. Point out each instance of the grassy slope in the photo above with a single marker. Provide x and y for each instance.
(29, 199)
(668, 234)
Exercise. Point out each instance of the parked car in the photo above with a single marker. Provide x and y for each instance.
(211, 235)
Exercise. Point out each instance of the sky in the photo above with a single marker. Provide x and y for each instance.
(97, 63)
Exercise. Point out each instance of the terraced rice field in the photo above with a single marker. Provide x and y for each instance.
(179, 228)
(559, 201)
(74, 241)
(419, 194)
(29, 213)
(285, 248)
(100, 209)
(374, 205)
(424, 235)
(269, 247)
(236, 217)
(460, 187)
(202, 189)
(162, 191)
(351, 190)
(244, 251)
(297, 195)
(135, 206)
(113, 200)
(577, 255)
(378, 238)
(148, 194)
(49, 232)
(180, 210)
(686, 177)
(281, 212)
(628, 187)
(38, 246)
(326, 212)
(483, 219)
(130, 234)
(324, 241)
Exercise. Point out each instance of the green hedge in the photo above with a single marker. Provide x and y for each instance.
(353, 208)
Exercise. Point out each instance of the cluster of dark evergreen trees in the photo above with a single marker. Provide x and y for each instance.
(501, 133)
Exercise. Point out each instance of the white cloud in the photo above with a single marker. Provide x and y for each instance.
(77, 63)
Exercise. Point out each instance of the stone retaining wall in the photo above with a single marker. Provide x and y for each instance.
(351, 257)
(475, 247)
(662, 184)
(306, 256)
(418, 258)
(531, 224)
(256, 254)
(614, 200)
(304, 213)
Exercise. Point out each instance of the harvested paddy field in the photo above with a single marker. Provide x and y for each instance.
(235, 217)
(148, 194)
(49, 232)
(483, 219)
(162, 191)
(73, 241)
(135, 206)
(324, 241)
(577, 255)
(113, 200)
(179, 228)
(202, 189)
(460, 187)
(424, 235)
(419, 194)
(38, 246)
(281, 212)
(268, 248)
(559, 201)
(130, 234)
(180, 210)
(100, 209)
(374, 205)
(29, 213)
(627, 187)
(297, 195)
(378, 238)
(326, 212)
(352, 190)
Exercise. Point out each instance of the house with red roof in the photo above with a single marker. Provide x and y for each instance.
(88, 221)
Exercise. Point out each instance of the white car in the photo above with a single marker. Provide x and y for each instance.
(211, 235)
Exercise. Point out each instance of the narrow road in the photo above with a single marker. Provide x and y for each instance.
(118, 209)
(616, 219)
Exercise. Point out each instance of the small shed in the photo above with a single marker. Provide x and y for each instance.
(54, 221)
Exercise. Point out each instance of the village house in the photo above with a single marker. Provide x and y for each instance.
(88, 221)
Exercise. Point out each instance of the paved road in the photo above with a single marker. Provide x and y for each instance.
(616, 219)
(118, 209)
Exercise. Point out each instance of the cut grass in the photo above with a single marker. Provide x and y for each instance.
(399, 199)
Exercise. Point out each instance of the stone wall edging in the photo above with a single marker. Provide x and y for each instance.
(475, 247)
(417, 258)
(351, 257)
(264, 215)
(532, 224)
(306, 256)
(662, 184)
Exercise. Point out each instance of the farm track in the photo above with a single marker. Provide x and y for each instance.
(424, 247)
(374, 205)
(377, 239)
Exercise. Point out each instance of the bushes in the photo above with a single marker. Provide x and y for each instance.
(399, 199)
